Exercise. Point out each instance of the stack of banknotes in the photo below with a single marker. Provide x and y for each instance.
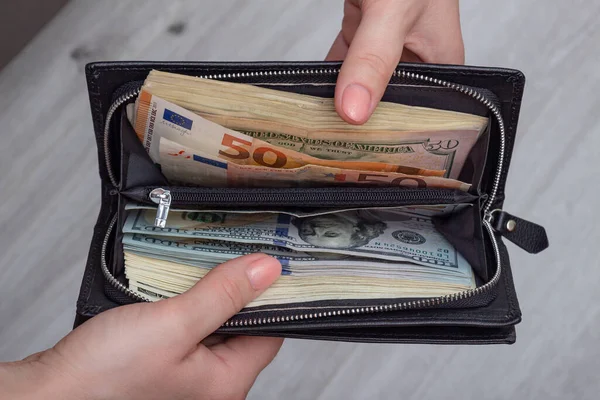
(209, 133)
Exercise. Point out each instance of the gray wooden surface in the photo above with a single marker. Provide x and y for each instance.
(49, 187)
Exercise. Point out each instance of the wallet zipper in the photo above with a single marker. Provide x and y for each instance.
(415, 304)
(356, 197)
(121, 99)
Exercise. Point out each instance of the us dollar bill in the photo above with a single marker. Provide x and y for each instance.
(382, 234)
(156, 279)
(209, 253)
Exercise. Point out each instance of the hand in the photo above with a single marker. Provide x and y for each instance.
(155, 350)
(377, 34)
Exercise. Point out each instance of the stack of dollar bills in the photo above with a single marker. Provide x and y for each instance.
(353, 254)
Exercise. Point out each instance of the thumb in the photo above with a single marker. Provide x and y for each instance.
(372, 57)
(222, 293)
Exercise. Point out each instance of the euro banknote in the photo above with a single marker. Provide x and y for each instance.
(182, 164)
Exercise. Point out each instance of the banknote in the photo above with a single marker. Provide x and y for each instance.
(157, 118)
(394, 270)
(157, 279)
(208, 253)
(382, 234)
(396, 133)
(441, 150)
(182, 164)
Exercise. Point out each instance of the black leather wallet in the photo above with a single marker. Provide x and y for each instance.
(486, 314)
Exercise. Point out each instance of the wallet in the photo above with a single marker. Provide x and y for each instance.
(486, 314)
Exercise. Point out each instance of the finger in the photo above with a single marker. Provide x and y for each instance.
(247, 356)
(372, 57)
(222, 293)
(410, 56)
(443, 45)
(230, 367)
(338, 49)
(34, 356)
(214, 339)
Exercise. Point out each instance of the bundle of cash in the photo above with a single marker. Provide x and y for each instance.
(354, 254)
(397, 134)
(209, 133)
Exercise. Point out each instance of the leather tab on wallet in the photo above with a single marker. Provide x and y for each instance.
(529, 236)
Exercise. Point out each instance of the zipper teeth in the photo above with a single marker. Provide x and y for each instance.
(107, 274)
(422, 303)
(113, 107)
(294, 72)
(180, 197)
(491, 106)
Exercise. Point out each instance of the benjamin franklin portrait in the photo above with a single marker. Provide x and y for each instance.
(341, 230)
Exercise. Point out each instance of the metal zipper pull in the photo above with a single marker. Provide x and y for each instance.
(161, 197)
(527, 235)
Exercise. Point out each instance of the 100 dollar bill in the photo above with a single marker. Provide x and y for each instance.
(209, 253)
(366, 233)
(160, 279)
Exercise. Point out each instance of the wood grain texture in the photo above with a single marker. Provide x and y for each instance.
(50, 187)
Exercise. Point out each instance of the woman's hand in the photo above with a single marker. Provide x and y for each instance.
(377, 34)
(157, 350)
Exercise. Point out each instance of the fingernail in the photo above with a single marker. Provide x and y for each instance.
(263, 272)
(356, 102)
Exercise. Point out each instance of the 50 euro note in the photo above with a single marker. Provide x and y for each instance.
(156, 118)
(185, 165)
(396, 133)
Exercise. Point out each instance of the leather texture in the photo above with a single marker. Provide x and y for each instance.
(467, 321)
(527, 235)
